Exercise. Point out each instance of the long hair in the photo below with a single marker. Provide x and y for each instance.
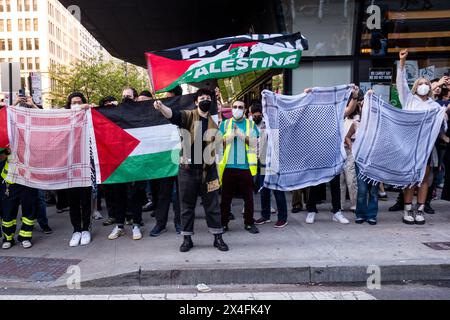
(416, 85)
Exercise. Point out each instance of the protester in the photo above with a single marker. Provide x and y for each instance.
(417, 98)
(167, 192)
(145, 96)
(367, 191)
(314, 192)
(127, 196)
(197, 175)
(239, 165)
(13, 196)
(280, 196)
(79, 198)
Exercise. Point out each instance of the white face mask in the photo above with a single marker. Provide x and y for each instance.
(423, 90)
(75, 106)
(238, 113)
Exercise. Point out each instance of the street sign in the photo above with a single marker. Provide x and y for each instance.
(10, 81)
(380, 75)
(36, 87)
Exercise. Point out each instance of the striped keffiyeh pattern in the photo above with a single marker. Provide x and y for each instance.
(305, 137)
(393, 145)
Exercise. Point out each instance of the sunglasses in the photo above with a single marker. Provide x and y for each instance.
(239, 107)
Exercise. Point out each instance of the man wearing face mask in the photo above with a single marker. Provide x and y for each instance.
(198, 175)
(239, 164)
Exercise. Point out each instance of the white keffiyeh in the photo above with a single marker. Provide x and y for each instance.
(305, 137)
(393, 145)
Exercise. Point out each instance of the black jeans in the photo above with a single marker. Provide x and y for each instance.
(62, 199)
(314, 196)
(191, 187)
(126, 196)
(80, 208)
(446, 190)
(164, 198)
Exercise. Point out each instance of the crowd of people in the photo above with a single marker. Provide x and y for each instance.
(240, 173)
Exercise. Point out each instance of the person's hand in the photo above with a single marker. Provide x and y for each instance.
(445, 80)
(308, 90)
(86, 106)
(446, 139)
(158, 105)
(19, 100)
(238, 133)
(355, 92)
(370, 92)
(403, 54)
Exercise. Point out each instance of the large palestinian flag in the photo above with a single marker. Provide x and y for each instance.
(224, 58)
(134, 142)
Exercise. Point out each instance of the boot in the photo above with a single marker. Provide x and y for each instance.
(187, 244)
(219, 243)
(399, 205)
(428, 209)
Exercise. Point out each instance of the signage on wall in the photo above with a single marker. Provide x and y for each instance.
(380, 75)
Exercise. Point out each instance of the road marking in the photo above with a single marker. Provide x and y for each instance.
(321, 295)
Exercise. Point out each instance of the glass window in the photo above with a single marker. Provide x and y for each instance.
(328, 25)
(37, 63)
(27, 24)
(21, 45)
(1, 6)
(36, 24)
(35, 5)
(22, 63)
(2, 25)
(20, 24)
(8, 27)
(36, 44)
(30, 63)
(27, 5)
(29, 44)
(8, 5)
(421, 26)
(2, 45)
(19, 5)
(10, 44)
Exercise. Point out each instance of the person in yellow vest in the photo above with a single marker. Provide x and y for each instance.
(13, 196)
(239, 164)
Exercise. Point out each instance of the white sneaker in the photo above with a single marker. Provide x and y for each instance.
(6, 245)
(75, 241)
(117, 232)
(311, 218)
(97, 215)
(408, 215)
(137, 235)
(27, 244)
(339, 217)
(85, 238)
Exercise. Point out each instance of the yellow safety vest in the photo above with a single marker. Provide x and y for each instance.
(252, 156)
(5, 172)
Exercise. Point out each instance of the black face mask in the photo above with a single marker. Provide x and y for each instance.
(205, 105)
(127, 100)
(257, 120)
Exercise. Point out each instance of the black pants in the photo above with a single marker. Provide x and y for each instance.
(80, 208)
(62, 199)
(165, 193)
(446, 190)
(127, 197)
(13, 196)
(315, 195)
(191, 187)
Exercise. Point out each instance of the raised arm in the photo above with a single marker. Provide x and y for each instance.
(351, 106)
(402, 81)
(165, 111)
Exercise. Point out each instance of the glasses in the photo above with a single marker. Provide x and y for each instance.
(239, 107)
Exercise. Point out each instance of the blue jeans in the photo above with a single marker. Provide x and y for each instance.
(280, 198)
(41, 210)
(367, 202)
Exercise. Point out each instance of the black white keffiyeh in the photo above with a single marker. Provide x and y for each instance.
(393, 145)
(305, 137)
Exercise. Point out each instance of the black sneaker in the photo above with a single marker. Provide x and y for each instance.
(428, 209)
(297, 210)
(372, 222)
(396, 207)
(109, 221)
(252, 229)
(187, 244)
(360, 220)
(46, 229)
(219, 243)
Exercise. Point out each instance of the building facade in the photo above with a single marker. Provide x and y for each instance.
(39, 33)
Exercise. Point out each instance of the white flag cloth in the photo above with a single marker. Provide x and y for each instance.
(49, 148)
(392, 145)
(305, 137)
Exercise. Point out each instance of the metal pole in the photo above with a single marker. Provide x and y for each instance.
(10, 84)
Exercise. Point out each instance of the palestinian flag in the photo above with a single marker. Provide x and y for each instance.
(4, 140)
(224, 58)
(134, 142)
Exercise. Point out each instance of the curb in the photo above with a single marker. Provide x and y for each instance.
(293, 275)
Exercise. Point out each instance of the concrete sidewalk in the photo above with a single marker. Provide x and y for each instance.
(325, 252)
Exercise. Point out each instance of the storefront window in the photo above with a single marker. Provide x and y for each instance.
(328, 25)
